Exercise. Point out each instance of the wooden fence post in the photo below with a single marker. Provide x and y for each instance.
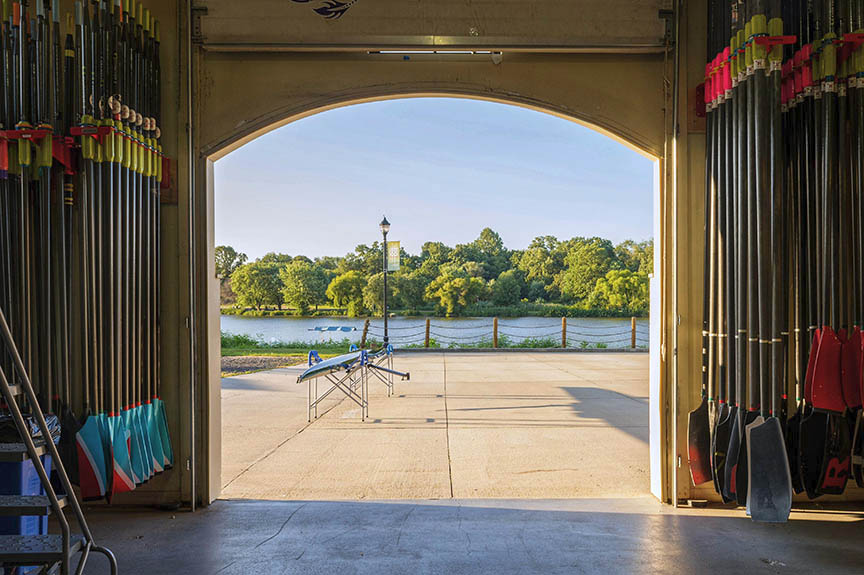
(426, 342)
(495, 332)
(564, 332)
(632, 333)
(365, 332)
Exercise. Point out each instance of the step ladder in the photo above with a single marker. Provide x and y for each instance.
(55, 554)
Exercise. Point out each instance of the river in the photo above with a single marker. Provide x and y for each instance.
(404, 331)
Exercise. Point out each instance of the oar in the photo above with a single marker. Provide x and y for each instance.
(857, 160)
(770, 483)
(730, 126)
(156, 267)
(753, 359)
(725, 379)
(827, 379)
(698, 420)
(736, 453)
(761, 247)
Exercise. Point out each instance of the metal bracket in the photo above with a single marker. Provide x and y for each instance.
(197, 12)
(668, 17)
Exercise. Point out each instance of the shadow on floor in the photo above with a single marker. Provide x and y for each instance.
(497, 537)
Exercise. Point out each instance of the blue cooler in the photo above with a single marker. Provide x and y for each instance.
(22, 479)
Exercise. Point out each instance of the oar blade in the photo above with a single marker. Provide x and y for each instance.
(155, 437)
(851, 366)
(721, 445)
(92, 473)
(122, 477)
(814, 426)
(162, 421)
(770, 482)
(793, 450)
(837, 457)
(827, 391)
(858, 449)
(699, 443)
(759, 420)
(730, 483)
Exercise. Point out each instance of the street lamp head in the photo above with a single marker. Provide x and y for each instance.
(385, 225)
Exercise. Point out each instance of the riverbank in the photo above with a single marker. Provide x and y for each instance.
(474, 311)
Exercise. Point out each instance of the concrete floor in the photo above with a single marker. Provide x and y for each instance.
(494, 536)
(503, 425)
(497, 419)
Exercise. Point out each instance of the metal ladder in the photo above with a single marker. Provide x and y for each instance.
(53, 553)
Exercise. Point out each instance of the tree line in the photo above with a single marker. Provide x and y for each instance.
(584, 274)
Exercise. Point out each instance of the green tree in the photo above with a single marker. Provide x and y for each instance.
(409, 289)
(276, 258)
(373, 293)
(621, 290)
(636, 256)
(508, 288)
(453, 290)
(588, 261)
(493, 255)
(346, 290)
(368, 260)
(432, 256)
(257, 284)
(304, 285)
(227, 261)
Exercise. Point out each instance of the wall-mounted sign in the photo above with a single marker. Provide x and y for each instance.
(330, 9)
(393, 251)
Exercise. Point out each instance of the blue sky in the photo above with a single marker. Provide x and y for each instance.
(441, 169)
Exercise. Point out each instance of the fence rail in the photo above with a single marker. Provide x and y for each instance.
(505, 335)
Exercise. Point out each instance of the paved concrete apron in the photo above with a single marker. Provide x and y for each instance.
(503, 425)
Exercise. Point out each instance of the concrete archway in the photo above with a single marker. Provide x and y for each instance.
(284, 115)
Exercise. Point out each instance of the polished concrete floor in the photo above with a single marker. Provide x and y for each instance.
(497, 425)
(495, 537)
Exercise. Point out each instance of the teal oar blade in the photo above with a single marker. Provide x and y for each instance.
(122, 476)
(152, 426)
(92, 472)
(144, 436)
(136, 456)
(162, 422)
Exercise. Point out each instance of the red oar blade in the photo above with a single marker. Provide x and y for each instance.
(851, 362)
(811, 365)
(699, 443)
(827, 389)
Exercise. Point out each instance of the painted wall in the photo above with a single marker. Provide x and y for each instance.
(254, 72)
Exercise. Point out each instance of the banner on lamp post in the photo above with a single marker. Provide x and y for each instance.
(393, 253)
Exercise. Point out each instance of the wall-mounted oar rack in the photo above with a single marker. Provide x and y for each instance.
(63, 148)
(784, 93)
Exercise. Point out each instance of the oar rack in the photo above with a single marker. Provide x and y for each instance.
(65, 149)
(783, 350)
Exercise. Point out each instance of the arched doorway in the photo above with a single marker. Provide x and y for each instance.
(253, 132)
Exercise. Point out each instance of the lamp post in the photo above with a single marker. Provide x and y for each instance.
(385, 227)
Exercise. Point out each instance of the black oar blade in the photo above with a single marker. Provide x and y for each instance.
(718, 456)
(770, 485)
(721, 446)
(699, 443)
(858, 449)
(836, 461)
(741, 466)
(730, 492)
(814, 426)
(759, 420)
(793, 450)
